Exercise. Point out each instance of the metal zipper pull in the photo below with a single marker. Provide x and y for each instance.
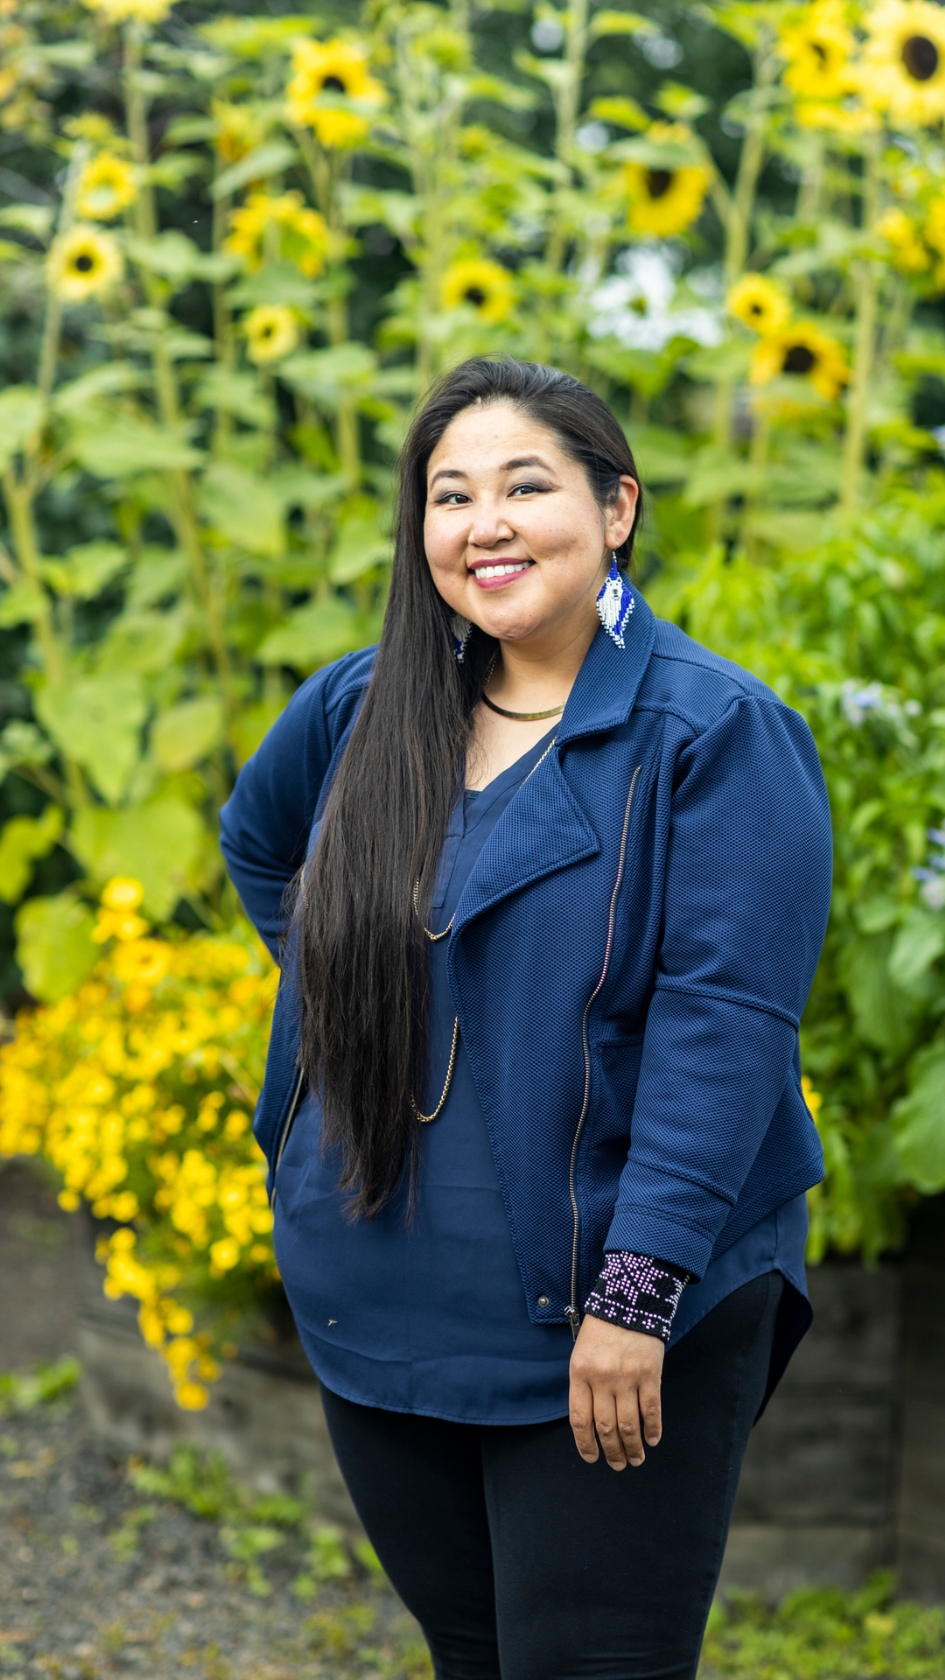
(574, 1319)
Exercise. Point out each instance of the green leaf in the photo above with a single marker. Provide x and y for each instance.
(97, 722)
(326, 375)
(623, 113)
(721, 362)
(159, 843)
(100, 381)
(23, 604)
(117, 447)
(54, 945)
(238, 394)
(143, 641)
(22, 743)
(36, 219)
(20, 412)
(680, 103)
(359, 546)
(919, 942)
(22, 842)
(884, 1015)
(266, 160)
(920, 1142)
(312, 635)
(717, 473)
(244, 508)
(660, 453)
(277, 283)
(620, 23)
(86, 569)
(186, 733)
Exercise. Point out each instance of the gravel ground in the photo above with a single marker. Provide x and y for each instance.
(100, 1578)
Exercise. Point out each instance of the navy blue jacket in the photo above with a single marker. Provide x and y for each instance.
(629, 959)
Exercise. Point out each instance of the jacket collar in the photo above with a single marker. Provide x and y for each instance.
(544, 828)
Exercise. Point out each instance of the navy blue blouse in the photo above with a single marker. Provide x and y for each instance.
(430, 1315)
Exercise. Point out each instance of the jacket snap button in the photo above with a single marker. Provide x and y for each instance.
(543, 1300)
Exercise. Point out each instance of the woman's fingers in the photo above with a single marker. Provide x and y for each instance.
(611, 1430)
(581, 1414)
(651, 1410)
(628, 1423)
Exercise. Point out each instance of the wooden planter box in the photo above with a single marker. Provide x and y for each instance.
(845, 1473)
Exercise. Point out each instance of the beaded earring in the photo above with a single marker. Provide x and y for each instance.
(460, 630)
(614, 604)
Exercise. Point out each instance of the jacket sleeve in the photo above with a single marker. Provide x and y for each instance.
(745, 906)
(266, 822)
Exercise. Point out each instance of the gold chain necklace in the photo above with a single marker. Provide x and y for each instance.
(425, 1119)
(517, 717)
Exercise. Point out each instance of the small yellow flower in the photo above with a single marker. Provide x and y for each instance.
(191, 1396)
(482, 285)
(906, 248)
(801, 351)
(122, 892)
(935, 235)
(759, 303)
(120, 11)
(225, 1254)
(665, 201)
(283, 229)
(904, 61)
(338, 69)
(83, 263)
(271, 333)
(106, 187)
(813, 1098)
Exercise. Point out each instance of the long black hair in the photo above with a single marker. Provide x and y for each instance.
(357, 933)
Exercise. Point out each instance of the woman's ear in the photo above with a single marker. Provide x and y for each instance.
(621, 513)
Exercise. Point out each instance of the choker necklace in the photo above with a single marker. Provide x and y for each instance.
(518, 717)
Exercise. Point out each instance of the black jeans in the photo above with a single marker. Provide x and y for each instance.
(522, 1562)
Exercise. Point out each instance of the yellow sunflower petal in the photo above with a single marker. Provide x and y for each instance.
(904, 61)
(479, 284)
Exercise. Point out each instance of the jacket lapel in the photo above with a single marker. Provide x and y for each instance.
(544, 828)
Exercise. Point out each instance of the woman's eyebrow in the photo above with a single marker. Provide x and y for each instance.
(508, 466)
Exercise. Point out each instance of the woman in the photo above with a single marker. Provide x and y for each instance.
(533, 1106)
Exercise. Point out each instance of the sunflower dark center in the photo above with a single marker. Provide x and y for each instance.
(333, 84)
(799, 359)
(475, 295)
(84, 263)
(920, 57)
(819, 51)
(756, 309)
(658, 182)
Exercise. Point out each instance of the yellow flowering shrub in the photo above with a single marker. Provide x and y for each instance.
(139, 1089)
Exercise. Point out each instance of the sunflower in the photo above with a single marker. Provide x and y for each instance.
(284, 228)
(106, 187)
(83, 263)
(664, 201)
(759, 303)
(238, 130)
(805, 352)
(339, 70)
(484, 286)
(907, 251)
(904, 68)
(818, 48)
(271, 331)
(935, 235)
(119, 11)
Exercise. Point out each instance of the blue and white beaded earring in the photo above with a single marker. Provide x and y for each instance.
(614, 603)
(460, 630)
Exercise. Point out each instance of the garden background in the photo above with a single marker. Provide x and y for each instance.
(235, 249)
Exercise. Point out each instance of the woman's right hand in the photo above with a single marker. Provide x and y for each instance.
(615, 1392)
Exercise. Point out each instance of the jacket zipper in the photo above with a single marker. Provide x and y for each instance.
(286, 1129)
(572, 1313)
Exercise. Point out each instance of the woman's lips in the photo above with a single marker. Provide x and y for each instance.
(500, 573)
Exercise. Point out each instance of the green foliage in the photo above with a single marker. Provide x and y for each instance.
(822, 1634)
(20, 1392)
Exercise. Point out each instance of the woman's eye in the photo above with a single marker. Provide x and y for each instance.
(453, 498)
(528, 489)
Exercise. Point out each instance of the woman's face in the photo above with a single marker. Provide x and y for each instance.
(514, 537)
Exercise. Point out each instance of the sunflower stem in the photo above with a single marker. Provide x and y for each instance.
(567, 105)
(866, 277)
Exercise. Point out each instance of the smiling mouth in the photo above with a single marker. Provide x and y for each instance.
(499, 569)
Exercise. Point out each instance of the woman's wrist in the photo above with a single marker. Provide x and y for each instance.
(637, 1292)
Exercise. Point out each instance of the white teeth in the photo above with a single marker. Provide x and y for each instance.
(504, 570)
